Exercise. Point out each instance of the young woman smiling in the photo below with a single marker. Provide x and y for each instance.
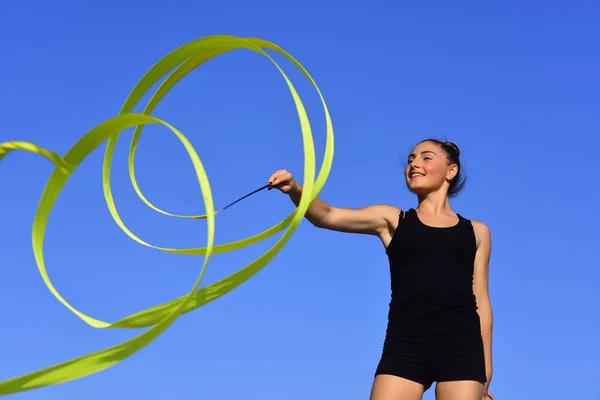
(440, 316)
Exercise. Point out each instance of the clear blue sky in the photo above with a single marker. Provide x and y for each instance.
(514, 84)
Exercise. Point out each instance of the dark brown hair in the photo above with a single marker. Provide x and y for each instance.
(453, 154)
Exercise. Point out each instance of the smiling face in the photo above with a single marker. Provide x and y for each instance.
(428, 170)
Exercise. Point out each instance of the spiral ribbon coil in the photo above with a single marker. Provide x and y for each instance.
(181, 61)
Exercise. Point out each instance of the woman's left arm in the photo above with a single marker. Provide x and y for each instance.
(481, 291)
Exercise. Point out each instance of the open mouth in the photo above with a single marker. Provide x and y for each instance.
(416, 175)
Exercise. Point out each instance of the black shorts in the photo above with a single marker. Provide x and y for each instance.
(434, 358)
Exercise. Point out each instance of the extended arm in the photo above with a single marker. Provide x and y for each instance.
(378, 220)
(370, 220)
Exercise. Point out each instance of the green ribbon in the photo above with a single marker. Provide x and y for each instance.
(182, 61)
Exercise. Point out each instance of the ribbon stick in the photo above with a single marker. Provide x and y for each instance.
(157, 319)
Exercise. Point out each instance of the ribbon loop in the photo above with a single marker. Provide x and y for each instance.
(158, 319)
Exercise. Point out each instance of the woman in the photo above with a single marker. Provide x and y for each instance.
(440, 318)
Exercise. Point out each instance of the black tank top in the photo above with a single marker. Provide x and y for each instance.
(431, 273)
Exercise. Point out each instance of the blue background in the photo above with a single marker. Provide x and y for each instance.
(514, 84)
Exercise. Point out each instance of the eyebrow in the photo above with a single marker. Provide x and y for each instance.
(423, 152)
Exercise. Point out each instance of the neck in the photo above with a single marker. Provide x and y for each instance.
(434, 203)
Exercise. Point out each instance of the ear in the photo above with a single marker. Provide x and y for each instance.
(452, 172)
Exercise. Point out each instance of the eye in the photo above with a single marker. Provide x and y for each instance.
(427, 158)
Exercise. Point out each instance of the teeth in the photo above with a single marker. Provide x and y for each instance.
(416, 174)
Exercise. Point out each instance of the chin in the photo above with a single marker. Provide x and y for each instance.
(419, 189)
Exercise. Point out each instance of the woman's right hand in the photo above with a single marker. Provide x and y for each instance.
(284, 181)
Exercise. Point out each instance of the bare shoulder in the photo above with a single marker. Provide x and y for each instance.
(389, 217)
(482, 233)
(374, 219)
(480, 227)
(390, 213)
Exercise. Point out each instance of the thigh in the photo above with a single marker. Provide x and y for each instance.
(390, 387)
(459, 390)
